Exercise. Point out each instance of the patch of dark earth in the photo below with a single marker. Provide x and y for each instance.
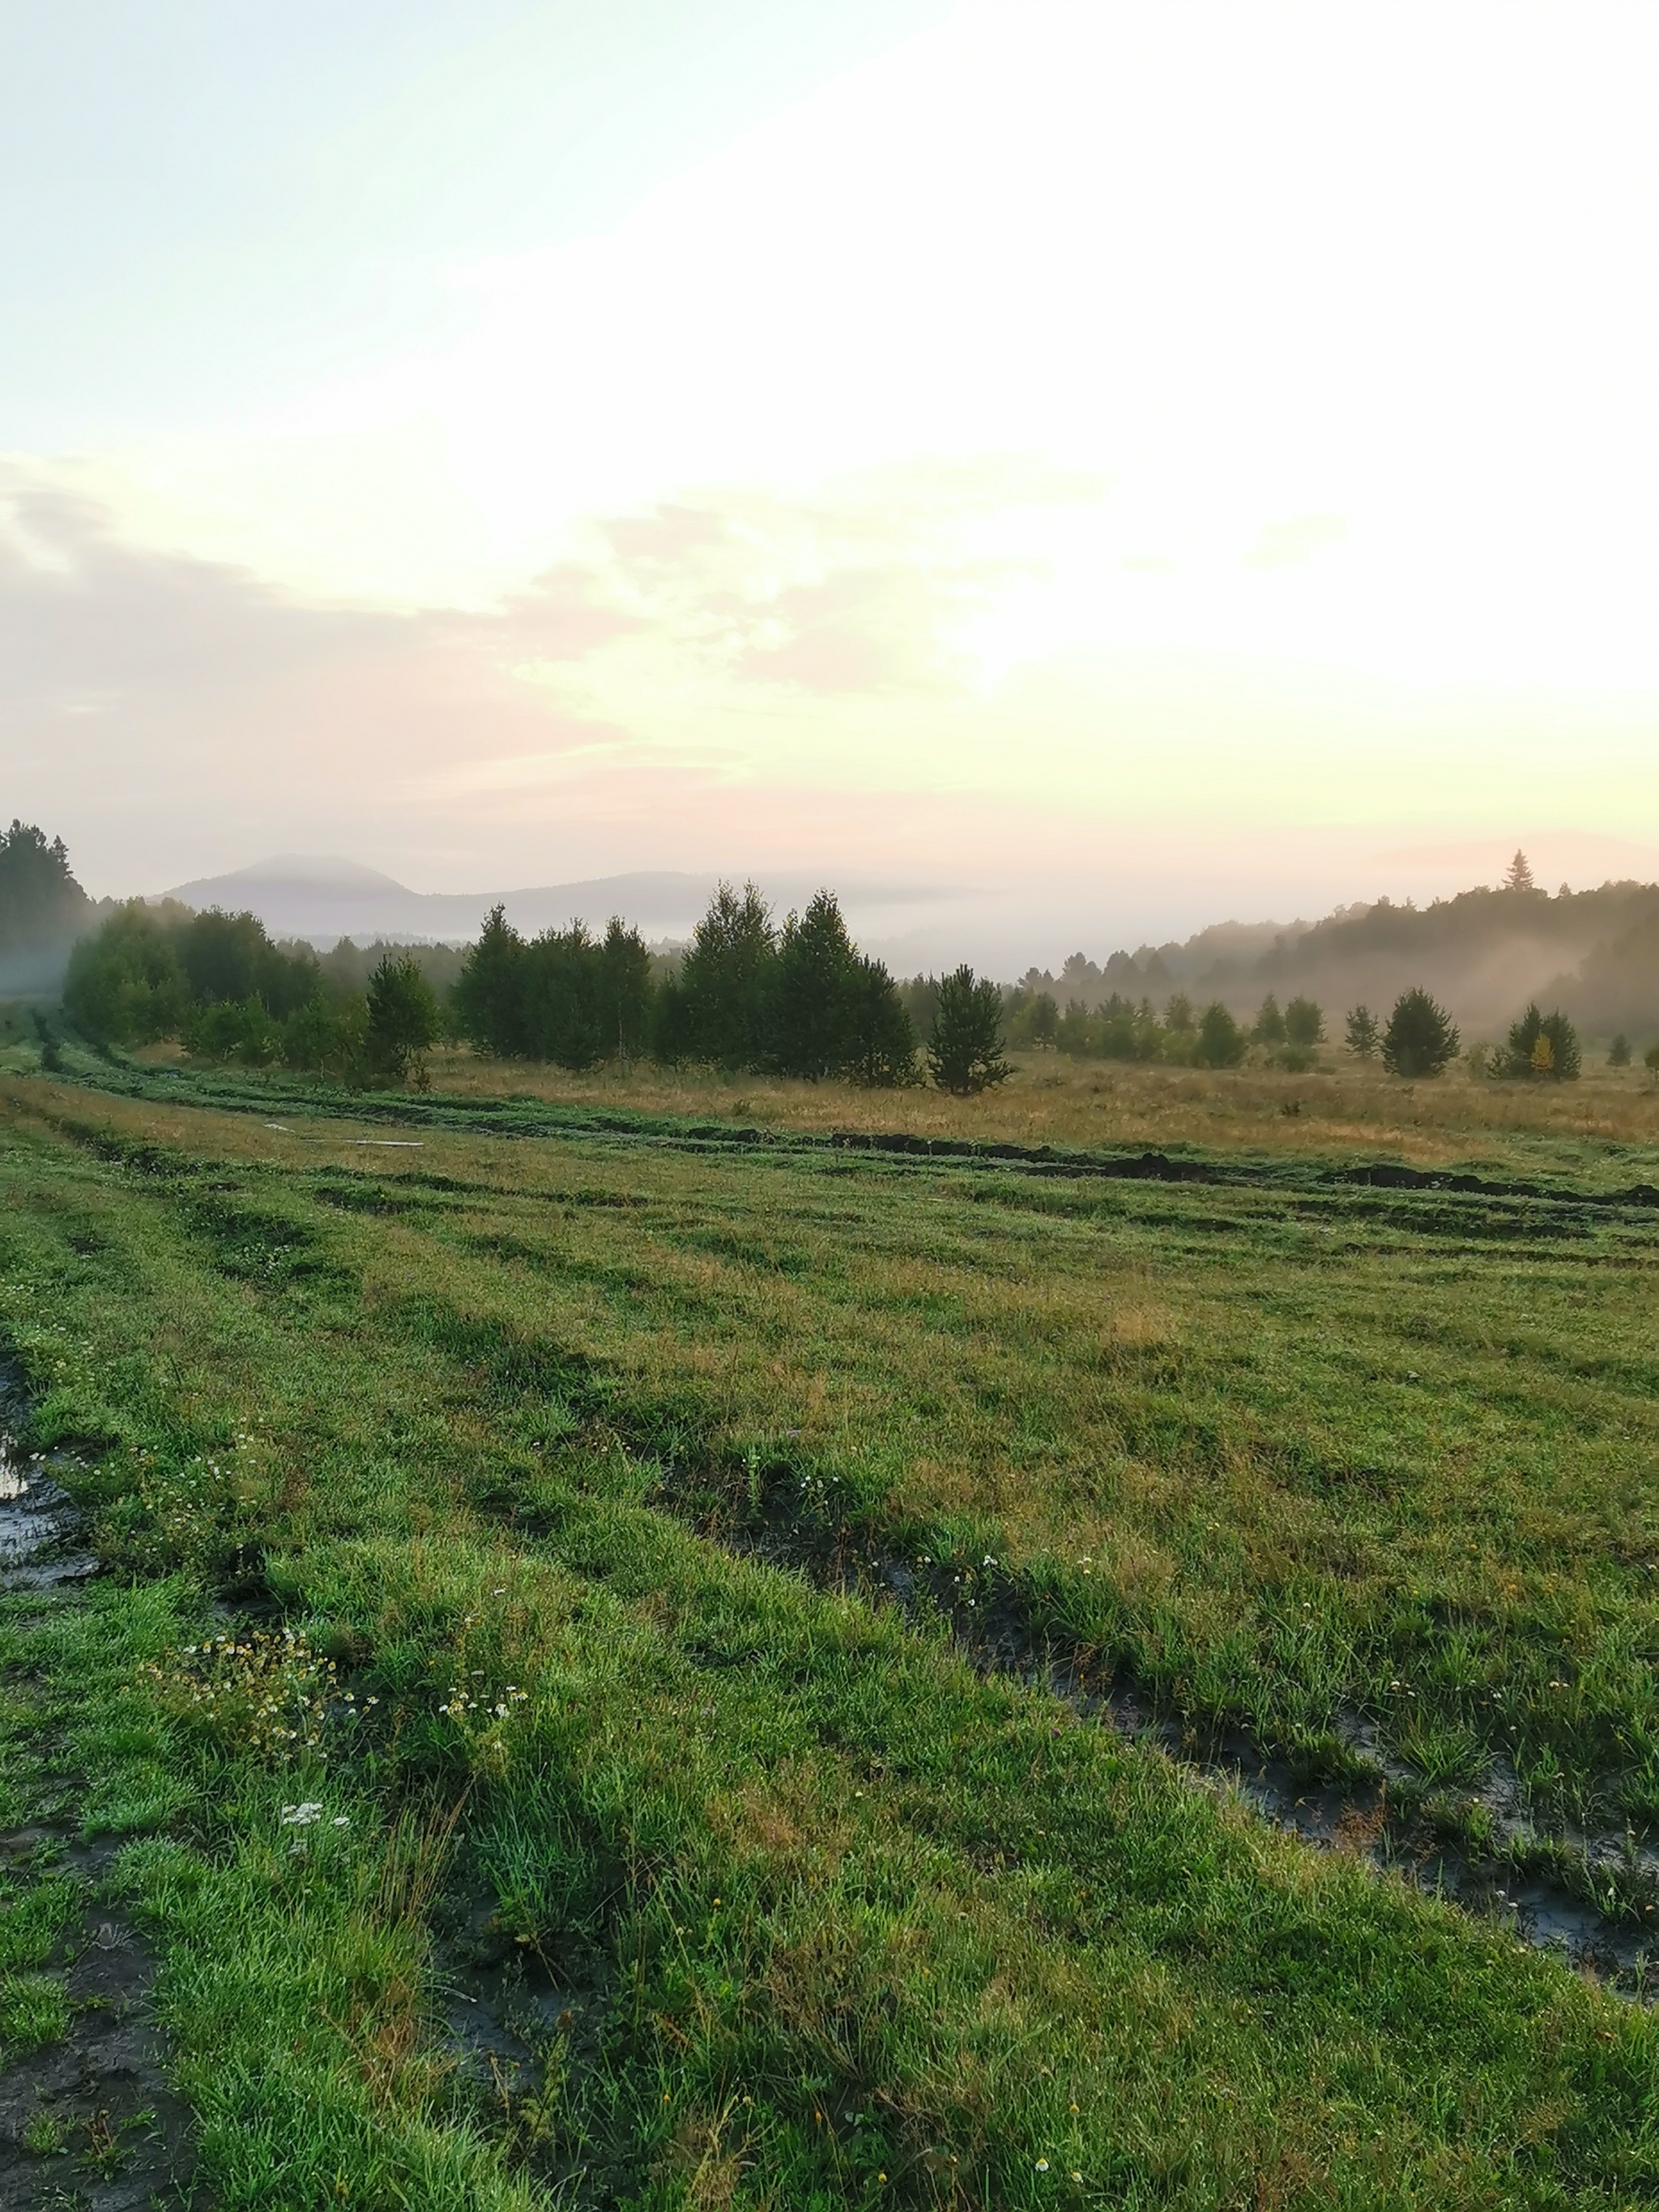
(1592, 1900)
(91, 2123)
(527, 2024)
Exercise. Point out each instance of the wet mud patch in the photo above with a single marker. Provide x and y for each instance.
(87, 2118)
(91, 2120)
(1593, 1899)
(525, 2024)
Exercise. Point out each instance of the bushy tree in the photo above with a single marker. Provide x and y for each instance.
(1363, 1033)
(403, 1016)
(725, 982)
(1619, 1051)
(1221, 1041)
(327, 1036)
(1178, 1016)
(964, 1051)
(1421, 1038)
(1304, 1024)
(233, 1028)
(490, 994)
(1269, 1027)
(126, 984)
(1544, 1045)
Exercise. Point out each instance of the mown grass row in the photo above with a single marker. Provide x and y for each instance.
(845, 1924)
(1286, 1458)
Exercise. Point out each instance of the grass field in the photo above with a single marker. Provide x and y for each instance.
(645, 1870)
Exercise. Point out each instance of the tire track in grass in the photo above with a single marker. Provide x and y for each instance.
(87, 2115)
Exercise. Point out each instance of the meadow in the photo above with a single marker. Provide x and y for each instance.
(645, 1657)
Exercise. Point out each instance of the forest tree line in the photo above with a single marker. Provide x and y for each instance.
(748, 994)
(797, 998)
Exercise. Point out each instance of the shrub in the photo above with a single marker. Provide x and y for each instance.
(1421, 1038)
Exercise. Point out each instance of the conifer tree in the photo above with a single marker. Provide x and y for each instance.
(1363, 1034)
(725, 981)
(1421, 1038)
(403, 1015)
(814, 980)
(1221, 1041)
(1519, 878)
(964, 1053)
(490, 992)
(881, 1042)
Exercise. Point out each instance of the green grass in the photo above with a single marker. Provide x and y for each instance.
(828, 1918)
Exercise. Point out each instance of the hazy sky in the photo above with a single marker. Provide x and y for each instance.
(1146, 461)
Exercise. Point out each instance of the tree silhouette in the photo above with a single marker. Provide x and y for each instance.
(1363, 1034)
(1519, 878)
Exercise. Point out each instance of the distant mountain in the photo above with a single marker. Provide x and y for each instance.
(323, 899)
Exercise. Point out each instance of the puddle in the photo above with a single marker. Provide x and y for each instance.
(1387, 1819)
(37, 1519)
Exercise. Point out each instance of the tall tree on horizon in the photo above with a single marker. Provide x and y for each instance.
(1519, 878)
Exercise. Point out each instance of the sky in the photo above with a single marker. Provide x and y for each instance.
(1108, 467)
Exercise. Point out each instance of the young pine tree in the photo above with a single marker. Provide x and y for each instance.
(1304, 1024)
(1270, 1028)
(1544, 1046)
(1363, 1033)
(1619, 1051)
(725, 982)
(624, 990)
(1421, 1038)
(490, 992)
(881, 1043)
(964, 1053)
(1221, 1041)
(814, 980)
(403, 1016)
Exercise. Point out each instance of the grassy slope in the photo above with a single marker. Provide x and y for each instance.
(833, 1910)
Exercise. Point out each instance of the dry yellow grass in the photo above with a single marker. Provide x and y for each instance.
(1053, 1100)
